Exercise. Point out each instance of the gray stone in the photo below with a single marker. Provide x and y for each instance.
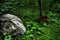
(11, 24)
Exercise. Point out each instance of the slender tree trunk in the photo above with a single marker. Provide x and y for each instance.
(43, 7)
(39, 2)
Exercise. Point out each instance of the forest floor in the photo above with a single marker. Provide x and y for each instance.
(44, 31)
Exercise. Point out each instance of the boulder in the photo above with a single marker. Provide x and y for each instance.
(11, 24)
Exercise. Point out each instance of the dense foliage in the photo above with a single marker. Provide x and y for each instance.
(28, 11)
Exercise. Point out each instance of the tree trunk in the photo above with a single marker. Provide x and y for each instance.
(43, 7)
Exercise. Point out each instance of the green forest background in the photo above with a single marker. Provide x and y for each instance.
(40, 17)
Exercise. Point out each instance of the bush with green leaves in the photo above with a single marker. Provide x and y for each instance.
(8, 6)
(33, 30)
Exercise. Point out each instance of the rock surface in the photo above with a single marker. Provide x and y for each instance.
(11, 24)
